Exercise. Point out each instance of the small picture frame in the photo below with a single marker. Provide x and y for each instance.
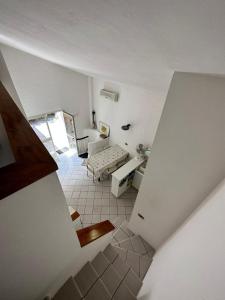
(104, 129)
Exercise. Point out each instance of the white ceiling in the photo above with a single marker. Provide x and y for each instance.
(134, 41)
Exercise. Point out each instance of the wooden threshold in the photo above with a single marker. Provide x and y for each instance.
(75, 215)
(91, 233)
(32, 160)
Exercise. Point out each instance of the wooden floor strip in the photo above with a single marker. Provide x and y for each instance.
(91, 233)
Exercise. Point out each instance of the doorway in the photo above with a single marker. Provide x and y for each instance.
(57, 132)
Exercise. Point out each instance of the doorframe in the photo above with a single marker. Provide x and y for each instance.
(51, 112)
(75, 132)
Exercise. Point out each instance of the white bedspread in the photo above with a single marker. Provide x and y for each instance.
(103, 161)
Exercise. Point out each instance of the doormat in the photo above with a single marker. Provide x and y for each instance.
(63, 150)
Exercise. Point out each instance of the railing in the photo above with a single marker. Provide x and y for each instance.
(32, 160)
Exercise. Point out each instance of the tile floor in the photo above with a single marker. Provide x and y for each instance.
(93, 200)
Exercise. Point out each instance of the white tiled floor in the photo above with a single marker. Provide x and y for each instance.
(93, 200)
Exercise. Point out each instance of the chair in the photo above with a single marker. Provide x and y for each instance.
(82, 146)
(86, 148)
(97, 146)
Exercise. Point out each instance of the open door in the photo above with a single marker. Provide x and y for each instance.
(56, 130)
(70, 129)
(80, 143)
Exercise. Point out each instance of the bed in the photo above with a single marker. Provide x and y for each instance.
(107, 161)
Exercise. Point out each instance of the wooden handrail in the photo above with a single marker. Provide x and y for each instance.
(32, 160)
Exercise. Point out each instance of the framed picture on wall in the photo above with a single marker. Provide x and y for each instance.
(104, 129)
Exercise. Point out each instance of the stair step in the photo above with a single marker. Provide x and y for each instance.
(100, 263)
(110, 253)
(98, 292)
(69, 291)
(121, 267)
(118, 221)
(125, 244)
(133, 260)
(86, 278)
(91, 233)
(129, 257)
(133, 282)
(111, 279)
(139, 263)
(145, 262)
(120, 235)
(121, 252)
(123, 293)
(116, 273)
(124, 227)
(136, 244)
(148, 247)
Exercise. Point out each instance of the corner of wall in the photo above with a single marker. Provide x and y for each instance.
(7, 81)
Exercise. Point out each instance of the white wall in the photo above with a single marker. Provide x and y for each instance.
(8, 83)
(136, 105)
(38, 242)
(44, 87)
(187, 160)
(37, 239)
(6, 155)
(191, 265)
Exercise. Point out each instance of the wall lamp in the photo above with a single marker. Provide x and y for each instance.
(126, 127)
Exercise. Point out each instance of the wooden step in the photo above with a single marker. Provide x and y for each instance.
(74, 214)
(91, 233)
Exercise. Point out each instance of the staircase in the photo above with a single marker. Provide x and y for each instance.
(116, 273)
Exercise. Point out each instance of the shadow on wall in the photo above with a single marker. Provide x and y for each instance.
(145, 297)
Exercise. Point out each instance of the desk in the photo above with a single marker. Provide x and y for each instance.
(122, 178)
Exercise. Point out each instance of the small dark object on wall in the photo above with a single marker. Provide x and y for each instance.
(94, 125)
(140, 216)
(126, 127)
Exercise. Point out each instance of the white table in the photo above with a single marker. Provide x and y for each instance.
(106, 161)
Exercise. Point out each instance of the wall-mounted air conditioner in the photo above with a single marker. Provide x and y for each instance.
(113, 96)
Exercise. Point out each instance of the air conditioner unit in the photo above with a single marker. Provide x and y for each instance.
(113, 96)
